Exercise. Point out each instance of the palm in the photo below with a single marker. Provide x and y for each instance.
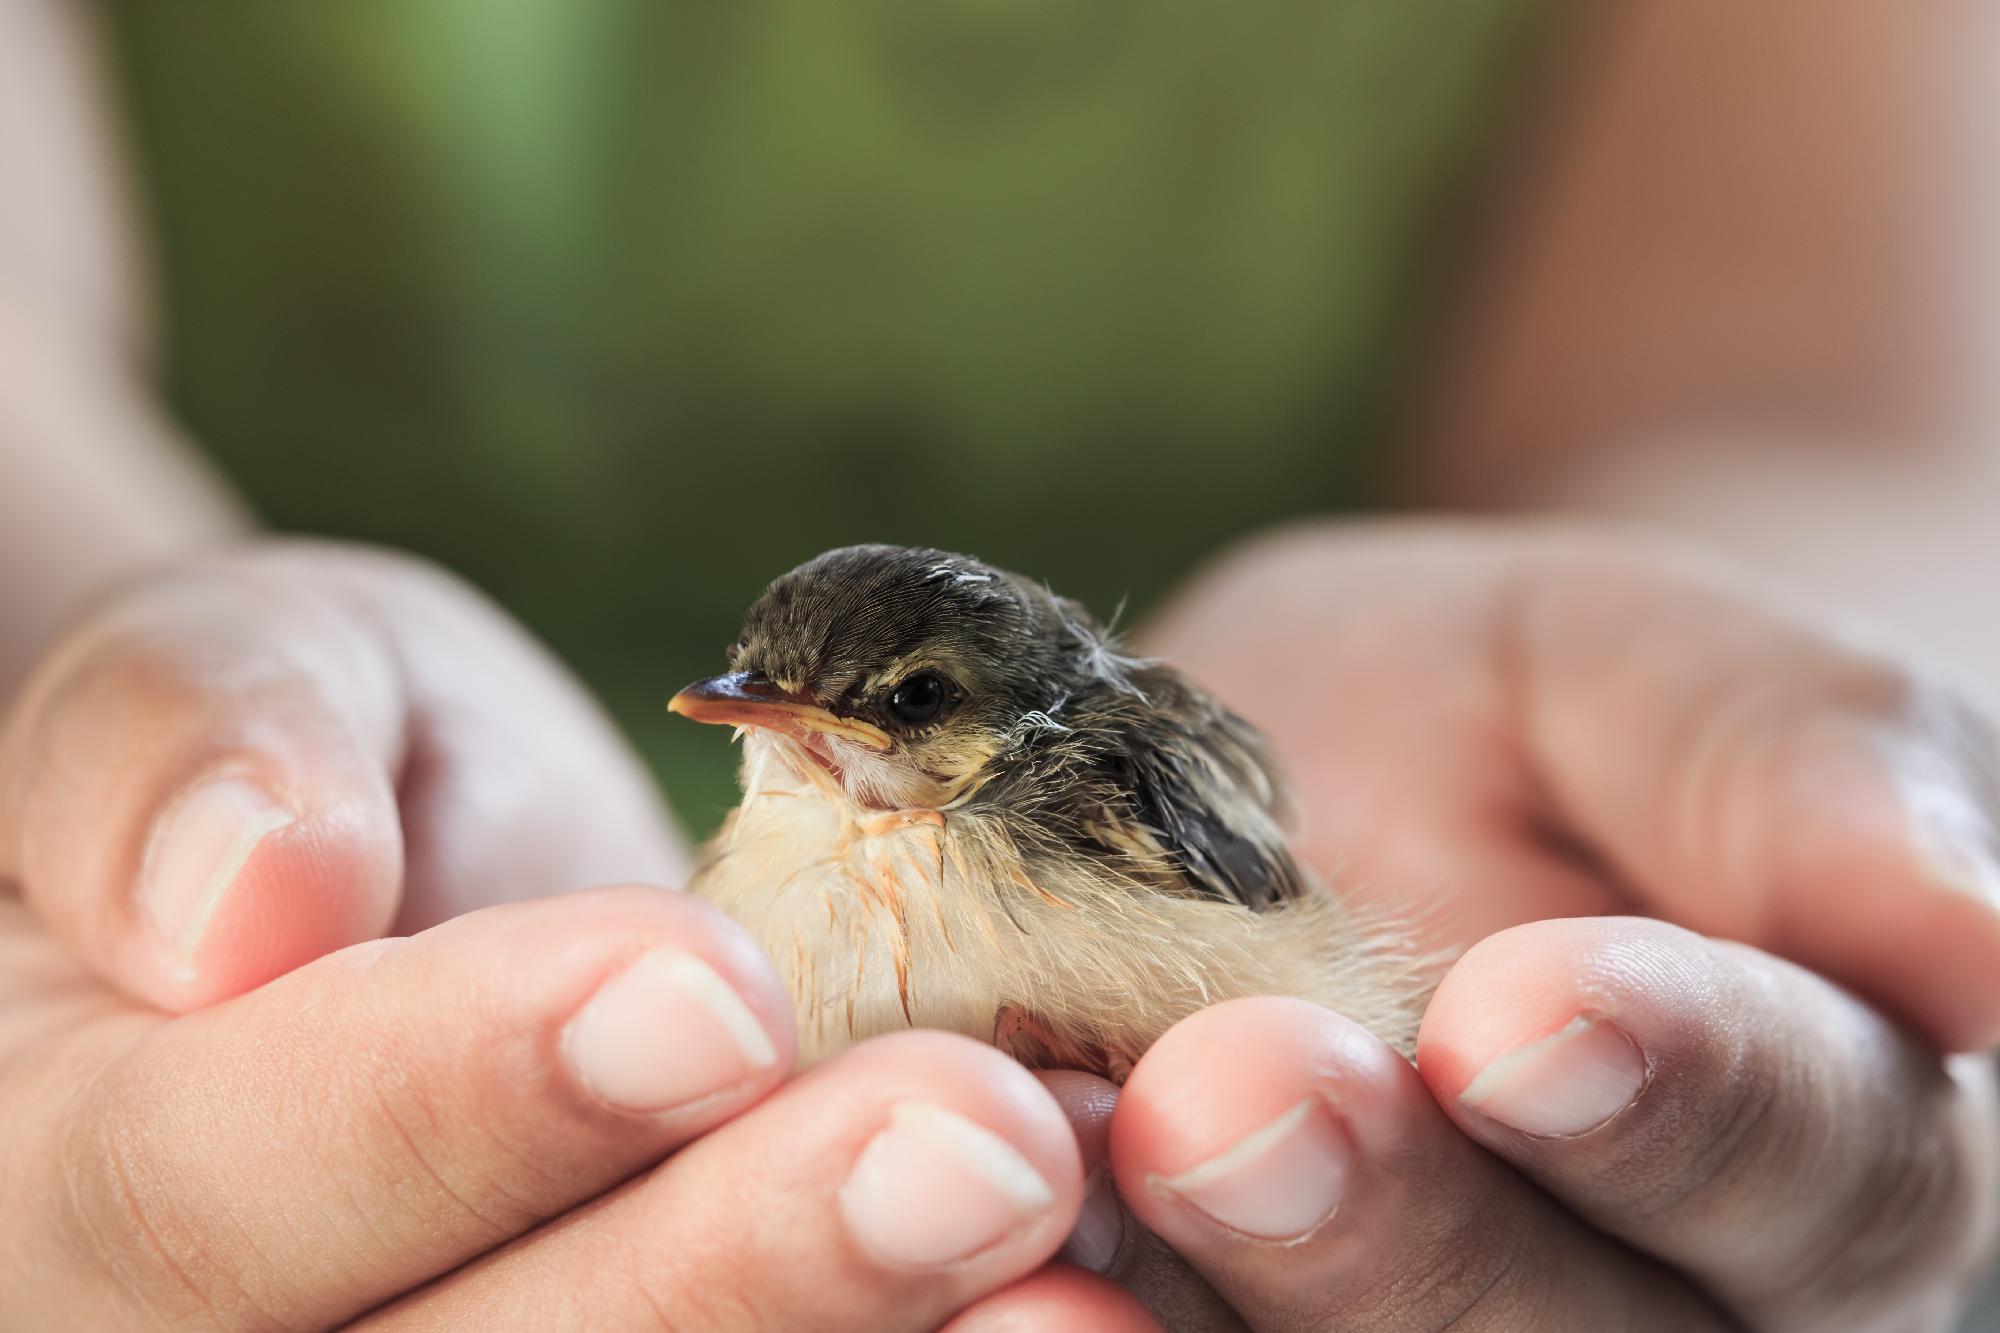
(1488, 728)
(1387, 703)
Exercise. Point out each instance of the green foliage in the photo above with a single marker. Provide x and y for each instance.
(623, 308)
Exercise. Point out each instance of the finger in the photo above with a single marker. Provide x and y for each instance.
(1087, 1102)
(884, 1190)
(1058, 1299)
(1365, 652)
(196, 789)
(1578, 724)
(1768, 783)
(1106, 1238)
(1303, 1168)
(1727, 1112)
(242, 767)
(302, 1153)
(514, 779)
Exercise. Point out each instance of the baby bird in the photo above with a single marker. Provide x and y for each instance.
(965, 808)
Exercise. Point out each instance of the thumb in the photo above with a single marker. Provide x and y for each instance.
(1756, 779)
(195, 786)
(240, 767)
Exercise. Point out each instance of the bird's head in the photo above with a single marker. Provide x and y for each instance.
(900, 673)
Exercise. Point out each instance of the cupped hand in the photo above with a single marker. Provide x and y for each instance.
(230, 783)
(240, 766)
(1716, 1100)
(465, 1129)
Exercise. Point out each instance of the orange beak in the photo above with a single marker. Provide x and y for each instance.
(748, 699)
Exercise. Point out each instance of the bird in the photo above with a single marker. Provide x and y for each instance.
(966, 806)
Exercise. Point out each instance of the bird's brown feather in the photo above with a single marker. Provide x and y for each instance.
(1088, 845)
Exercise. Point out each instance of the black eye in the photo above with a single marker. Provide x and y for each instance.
(918, 699)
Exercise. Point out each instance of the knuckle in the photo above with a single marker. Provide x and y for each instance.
(1893, 1213)
(1916, 1213)
(185, 648)
(1718, 1118)
(1469, 1271)
(122, 1216)
(1731, 1119)
(1464, 1247)
(95, 686)
(1852, 1157)
(433, 1153)
(682, 1281)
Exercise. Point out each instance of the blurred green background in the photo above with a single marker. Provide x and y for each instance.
(623, 308)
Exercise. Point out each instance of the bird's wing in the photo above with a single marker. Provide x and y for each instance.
(1200, 785)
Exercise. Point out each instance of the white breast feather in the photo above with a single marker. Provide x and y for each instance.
(880, 922)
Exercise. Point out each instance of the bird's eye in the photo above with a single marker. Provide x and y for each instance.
(919, 699)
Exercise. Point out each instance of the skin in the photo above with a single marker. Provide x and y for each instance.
(1765, 796)
(388, 1109)
(1739, 285)
(75, 353)
(433, 1119)
(76, 1050)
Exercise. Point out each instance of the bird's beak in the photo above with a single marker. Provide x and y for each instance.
(747, 699)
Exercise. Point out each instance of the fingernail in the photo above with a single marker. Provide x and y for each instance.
(666, 1031)
(1276, 1183)
(1954, 838)
(1566, 1084)
(933, 1188)
(1100, 1227)
(199, 847)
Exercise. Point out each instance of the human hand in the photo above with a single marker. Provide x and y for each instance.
(360, 742)
(1683, 1126)
(357, 1134)
(240, 766)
